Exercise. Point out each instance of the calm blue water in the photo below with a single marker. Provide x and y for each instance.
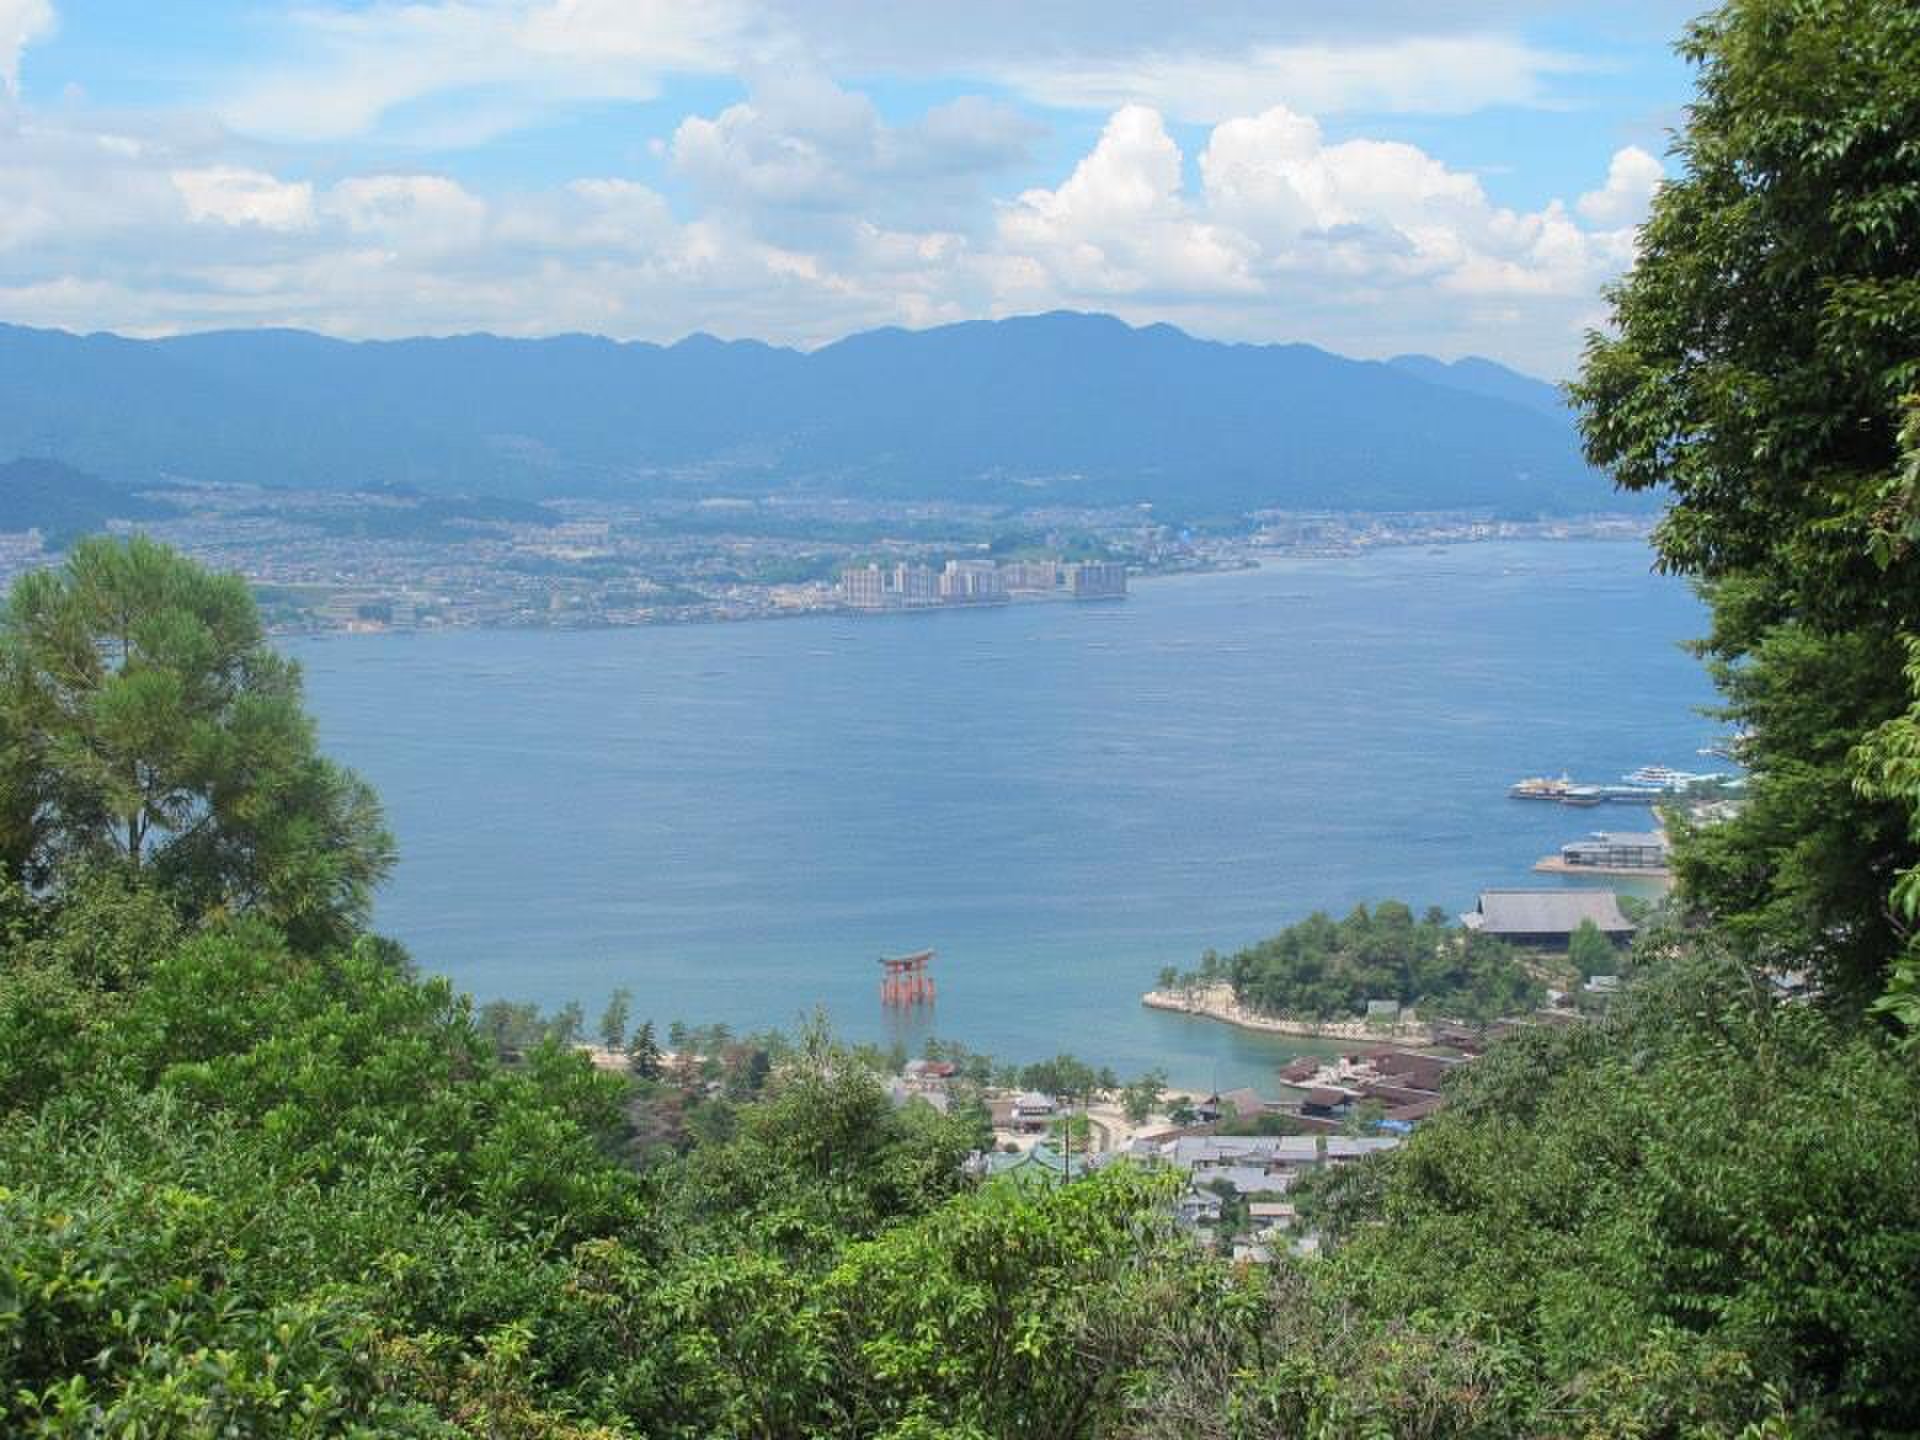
(735, 820)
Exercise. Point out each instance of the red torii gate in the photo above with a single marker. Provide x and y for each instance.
(906, 981)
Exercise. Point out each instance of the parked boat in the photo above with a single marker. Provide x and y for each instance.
(1538, 787)
(1673, 781)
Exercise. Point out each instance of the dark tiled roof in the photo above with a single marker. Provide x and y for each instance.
(1550, 912)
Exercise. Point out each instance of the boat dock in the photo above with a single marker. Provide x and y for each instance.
(1648, 785)
(1641, 855)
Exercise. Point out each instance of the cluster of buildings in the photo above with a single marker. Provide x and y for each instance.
(1404, 1086)
(1237, 1185)
(1611, 851)
(908, 585)
(345, 560)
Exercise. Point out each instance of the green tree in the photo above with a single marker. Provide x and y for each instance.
(1888, 766)
(565, 1025)
(613, 1019)
(1761, 353)
(643, 1054)
(1591, 952)
(1062, 1075)
(1139, 1098)
(1015, 1311)
(1604, 1199)
(146, 723)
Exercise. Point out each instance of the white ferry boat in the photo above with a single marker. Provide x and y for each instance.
(1666, 778)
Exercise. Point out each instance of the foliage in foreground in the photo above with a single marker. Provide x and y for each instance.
(248, 1189)
(1763, 360)
(146, 725)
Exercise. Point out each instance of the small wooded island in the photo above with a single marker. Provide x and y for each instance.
(1372, 970)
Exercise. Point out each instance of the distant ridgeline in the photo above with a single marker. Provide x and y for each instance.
(1060, 408)
(1326, 969)
(61, 502)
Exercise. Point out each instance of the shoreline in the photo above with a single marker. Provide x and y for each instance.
(1216, 1002)
(1256, 557)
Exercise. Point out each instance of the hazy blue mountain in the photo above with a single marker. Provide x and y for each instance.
(1478, 376)
(62, 502)
(1061, 407)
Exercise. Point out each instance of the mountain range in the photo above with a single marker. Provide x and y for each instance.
(1062, 408)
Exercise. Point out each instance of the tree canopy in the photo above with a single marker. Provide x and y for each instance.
(146, 724)
(1326, 969)
(1763, 358)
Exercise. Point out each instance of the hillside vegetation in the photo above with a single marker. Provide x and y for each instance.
(63, 503)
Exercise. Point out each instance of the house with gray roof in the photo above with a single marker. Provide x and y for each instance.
(1199, 1207)
(1246, 1179)
(1200, 1152)
(1031, 1110)
(1546, 919)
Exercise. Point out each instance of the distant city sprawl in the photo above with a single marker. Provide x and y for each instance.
(323, 560)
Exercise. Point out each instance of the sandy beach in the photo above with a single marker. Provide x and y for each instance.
(1216, 1002)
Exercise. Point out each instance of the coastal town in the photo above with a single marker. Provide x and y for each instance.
(351, 561)
(1241, 1154)
(1247, 1161)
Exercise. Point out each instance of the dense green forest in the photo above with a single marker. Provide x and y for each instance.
(1326, 969)
(258, 1178)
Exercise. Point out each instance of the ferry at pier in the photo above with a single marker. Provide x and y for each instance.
(1562, 791)
(1662, 777)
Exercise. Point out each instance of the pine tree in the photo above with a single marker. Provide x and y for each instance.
(613, 1020)
(643, 1055)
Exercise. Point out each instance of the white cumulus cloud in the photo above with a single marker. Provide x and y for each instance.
(234, 196)
(802, 159)
(427, 214)
(21, 23)
(1365, 245)
(803, 213)
(1632, 177)
(1120, 224)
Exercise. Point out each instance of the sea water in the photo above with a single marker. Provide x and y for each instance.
(735, 821)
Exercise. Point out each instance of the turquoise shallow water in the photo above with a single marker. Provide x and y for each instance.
(734, 821)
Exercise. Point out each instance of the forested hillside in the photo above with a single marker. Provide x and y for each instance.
(62, 503)
(257, 1178)
(1084, 410)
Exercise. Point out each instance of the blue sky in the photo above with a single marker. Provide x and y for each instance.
(1374, 177)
